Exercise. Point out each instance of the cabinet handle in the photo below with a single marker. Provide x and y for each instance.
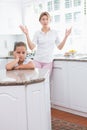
(57, 68)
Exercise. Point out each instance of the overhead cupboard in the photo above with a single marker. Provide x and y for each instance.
(10, 16)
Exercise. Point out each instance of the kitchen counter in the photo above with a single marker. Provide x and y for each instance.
(79, 58)
(6, 57)
(22, 77)
(61, 57)
(69, 84)
(25, 100)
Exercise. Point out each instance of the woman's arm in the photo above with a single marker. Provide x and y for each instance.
(25, 31)
(67, 33)
(12, 64)
(29, 65)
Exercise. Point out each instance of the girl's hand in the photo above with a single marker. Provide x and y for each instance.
(17, 59)
(67, 33)
(24, 29)
(17, 67)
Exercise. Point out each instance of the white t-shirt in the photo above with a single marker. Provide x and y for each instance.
(45, 45)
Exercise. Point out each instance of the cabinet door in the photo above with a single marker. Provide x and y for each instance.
(36, 107)
(78, 85)
(10, 17)
(59, 85)
(12, 108)
(3, 63)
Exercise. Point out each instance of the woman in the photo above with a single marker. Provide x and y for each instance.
(45, 40)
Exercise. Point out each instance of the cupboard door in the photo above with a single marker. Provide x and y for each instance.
(59, 84)
(10, 17)
(12, 108)
(78, 85)
(36, 107)
(3, 63)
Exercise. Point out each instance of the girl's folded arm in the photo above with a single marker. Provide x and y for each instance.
(11, 64)
(29, 65)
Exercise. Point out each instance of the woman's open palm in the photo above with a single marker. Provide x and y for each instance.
(24, 29)
(67, 32)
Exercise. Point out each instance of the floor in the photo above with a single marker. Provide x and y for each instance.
(69, 117)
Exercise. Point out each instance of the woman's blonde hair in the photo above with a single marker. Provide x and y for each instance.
(44, 13)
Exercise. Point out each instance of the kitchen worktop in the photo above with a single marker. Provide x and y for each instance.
(24, 95)
(79, 57)
(6, 57)
(22, 77)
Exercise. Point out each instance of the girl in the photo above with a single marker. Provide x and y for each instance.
(45, 40)
(20, 61)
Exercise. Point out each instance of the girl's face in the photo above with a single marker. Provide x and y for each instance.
(45, 21)
(20, 52)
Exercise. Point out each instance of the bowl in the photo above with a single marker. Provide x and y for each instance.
(70, 53)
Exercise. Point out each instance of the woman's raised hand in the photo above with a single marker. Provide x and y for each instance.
(67, 32)
(24, 29)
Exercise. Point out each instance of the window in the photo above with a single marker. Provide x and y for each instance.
(40, 6)
(85, 4)
(77, 16)
(56, 4)
(68, 17)
(57, 18)
(49, 5)
(68, 3)
(77, 2)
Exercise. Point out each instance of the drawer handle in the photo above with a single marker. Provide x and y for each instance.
(57, 68)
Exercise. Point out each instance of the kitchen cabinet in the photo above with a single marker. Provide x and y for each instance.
(12, 108)
(3, 62)
(69, 86)
(78, 85)
(10, 17)
(27, 2)
(37, 107)
(59, 84)
(25, 106)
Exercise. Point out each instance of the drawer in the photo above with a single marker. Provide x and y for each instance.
(59, 64)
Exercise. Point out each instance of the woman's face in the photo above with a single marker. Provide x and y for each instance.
(45, 21)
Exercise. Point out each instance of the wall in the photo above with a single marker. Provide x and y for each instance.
(7, 42)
